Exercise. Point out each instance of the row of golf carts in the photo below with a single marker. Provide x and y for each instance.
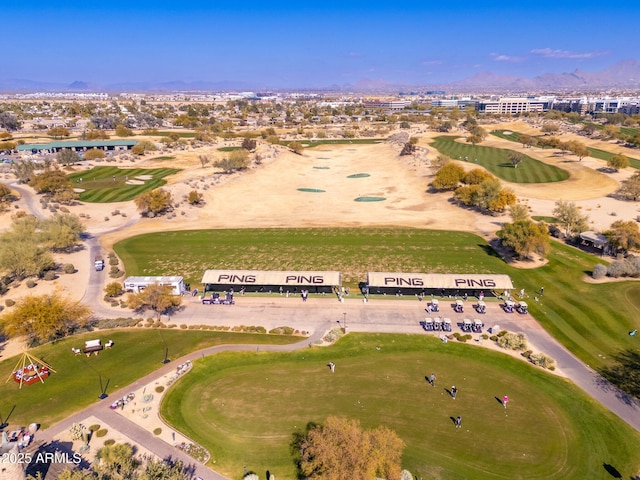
(437, 324)
(521, 307)
(444, 324)
(508, 306)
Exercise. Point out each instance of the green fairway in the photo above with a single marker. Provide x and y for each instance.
(113, 184)
(496, 160)
(246, 407)
(592, 320)
(593, 152)
(77, 381)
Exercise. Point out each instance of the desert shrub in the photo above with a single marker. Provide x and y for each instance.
(527, 353)
(94, 427)
(513, 341)
(119, 322)
(101, 433)
(618, 268)
(49, 275)
(542, 360)
(333, 335)
(114, 261)
(281, 331)
(9, 302)
(31, 284)
(183, 326)
(159, 389)
(157, 431)
(69, 268)
(599, 271)
(108, 442)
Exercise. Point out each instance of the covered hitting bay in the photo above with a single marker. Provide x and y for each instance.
(438, 283)
(271, 281)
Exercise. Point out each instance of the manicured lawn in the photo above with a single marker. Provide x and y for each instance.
(109, 184)
(593, 152)
(496, 160)
(592, 320)
(246, 407)
(77, 381)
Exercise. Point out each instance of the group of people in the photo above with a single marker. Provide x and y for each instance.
(454, 393)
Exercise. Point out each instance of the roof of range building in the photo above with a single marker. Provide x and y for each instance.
(262, 277)
(440, 280)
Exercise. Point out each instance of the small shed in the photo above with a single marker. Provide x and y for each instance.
(138, 284)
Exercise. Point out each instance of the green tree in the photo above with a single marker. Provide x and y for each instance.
(519, 212)
(95, 135)
(624, 235)
(569, 218)
(66, 156)
(249, 144)
(61, 231)
(123, 131)
(549, 128)
(476, 176)
(51, 181)
(23, 169)
(448, 177)
(341, 450)
(579, 149)
(527, 141)
(117, 461)
(153, 201)
(24, 257)
(296, 147)
(5, 194)
(58, 132)
(45, 317)
(8, 146)
(440, 161)
(113, 289)
(630, 188)
(237, 160)
(618, 162)
(194, 198)
(526, 238)
(94, 154)
(516, 158)
(155, 297)
(474, 139)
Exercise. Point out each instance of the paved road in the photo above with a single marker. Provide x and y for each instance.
(316, 317)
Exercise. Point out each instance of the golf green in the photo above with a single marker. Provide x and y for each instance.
(246, 407)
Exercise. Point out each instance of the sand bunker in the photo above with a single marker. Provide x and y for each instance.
(144, 177)
(134, 182)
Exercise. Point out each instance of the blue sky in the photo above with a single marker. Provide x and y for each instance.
(285, 44)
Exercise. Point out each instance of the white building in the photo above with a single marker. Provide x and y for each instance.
(138, 284)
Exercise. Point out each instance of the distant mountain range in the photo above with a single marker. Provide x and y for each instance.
(624, 74)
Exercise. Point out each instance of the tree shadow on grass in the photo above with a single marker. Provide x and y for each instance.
(623, 377)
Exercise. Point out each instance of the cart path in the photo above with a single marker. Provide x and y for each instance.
(102, 411)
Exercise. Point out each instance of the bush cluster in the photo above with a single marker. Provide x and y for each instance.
(624, 267)
(512, 341)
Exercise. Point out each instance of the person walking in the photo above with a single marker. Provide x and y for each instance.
(432, 379)
(505, 400)
(454, 392)
(458, 421)
(332, 367)
(541, 291)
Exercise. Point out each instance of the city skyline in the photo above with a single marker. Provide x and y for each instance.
(284, 44)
